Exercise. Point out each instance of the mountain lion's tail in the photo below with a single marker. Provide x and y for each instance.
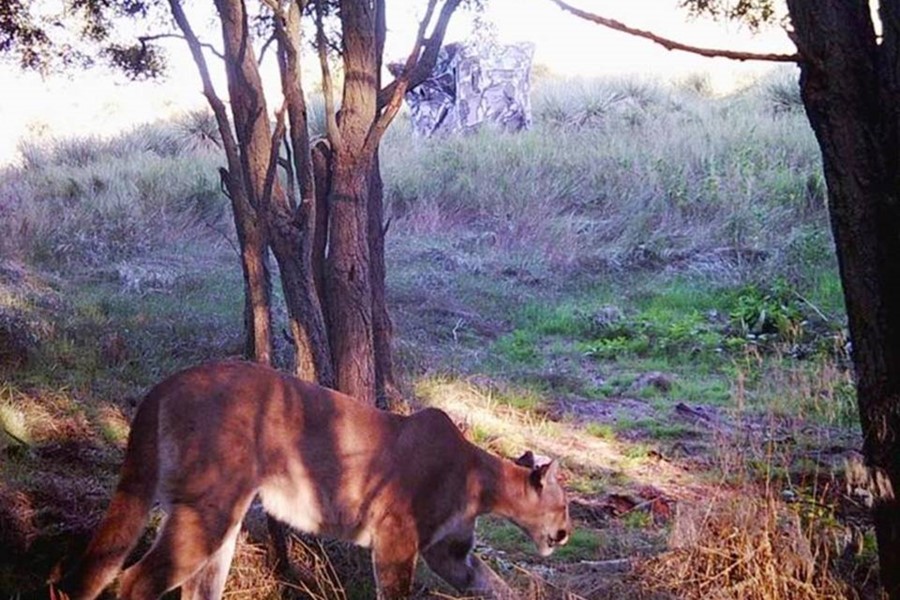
(128, 512)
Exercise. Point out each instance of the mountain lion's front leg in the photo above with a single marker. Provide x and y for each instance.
(452, 559)
(394, 557)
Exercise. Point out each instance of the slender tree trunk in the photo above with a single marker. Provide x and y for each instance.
(257, 277)
(321, 160)
(294, 227)
(848, 83)
(250, 230)
(382, 329)
(251, 126)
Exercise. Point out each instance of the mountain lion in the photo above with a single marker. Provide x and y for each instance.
(205, 441)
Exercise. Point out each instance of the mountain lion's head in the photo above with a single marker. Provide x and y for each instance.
(548, 520)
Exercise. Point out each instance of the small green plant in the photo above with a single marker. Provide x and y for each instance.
(604, 431)
(519, 397)
(776, 311)
(637, 452)
(587, 484)
(637, 519)
(520, 347)
(663, 430)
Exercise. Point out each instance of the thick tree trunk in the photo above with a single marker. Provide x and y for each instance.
(348, 280)
(348, 268)
(849, 89)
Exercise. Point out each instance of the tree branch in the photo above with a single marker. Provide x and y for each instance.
(271, 171)
(331, 128)
(232, 154)
(144, 39)
(669, 44)
(265, 47)
(414, 63)
(425, 63)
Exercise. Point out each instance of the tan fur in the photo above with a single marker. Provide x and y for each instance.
(205, 441)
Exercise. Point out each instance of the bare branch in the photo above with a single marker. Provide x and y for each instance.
(414, 63)
(271, 171)
(331, 127)
(673, 45)
(232, 153)
(288, 37)
(265, 47)
(145, 39)
(425, 63)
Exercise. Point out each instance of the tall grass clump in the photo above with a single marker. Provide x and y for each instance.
(633, 170)
(90, 201)
(743, 547)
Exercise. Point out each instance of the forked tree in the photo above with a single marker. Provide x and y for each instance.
(850, 86)
(319, 211)
(326, 233)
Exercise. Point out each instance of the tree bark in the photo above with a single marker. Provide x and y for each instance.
(848, 84)
(348, 265)
(382, 329)
(348, 280)
(386, 392)
(294, 227)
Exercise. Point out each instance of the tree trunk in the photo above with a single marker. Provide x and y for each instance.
(348, 268)
(293, 225)
(382, 329)
(257, 278)
(321, 160)
(386, 393)
(250, 230)
(848, 83)
(348, 280)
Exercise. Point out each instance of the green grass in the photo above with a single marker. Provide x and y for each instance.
(584, 544)
(604, 431)
(661, 430)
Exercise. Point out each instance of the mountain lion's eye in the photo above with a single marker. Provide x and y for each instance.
(561, 536)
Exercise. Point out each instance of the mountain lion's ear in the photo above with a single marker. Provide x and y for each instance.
(543, 474)
(526, 460)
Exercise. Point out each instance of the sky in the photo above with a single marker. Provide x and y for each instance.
(98, 103)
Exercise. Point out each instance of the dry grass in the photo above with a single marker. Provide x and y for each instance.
(742, 547)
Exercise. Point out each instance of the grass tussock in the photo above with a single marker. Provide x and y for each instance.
(742, 547)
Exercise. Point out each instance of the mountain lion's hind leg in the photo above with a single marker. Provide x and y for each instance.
(452, 559)
(209, 582)
(188, 539)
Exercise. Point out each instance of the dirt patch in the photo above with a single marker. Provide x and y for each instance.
(609, 410)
